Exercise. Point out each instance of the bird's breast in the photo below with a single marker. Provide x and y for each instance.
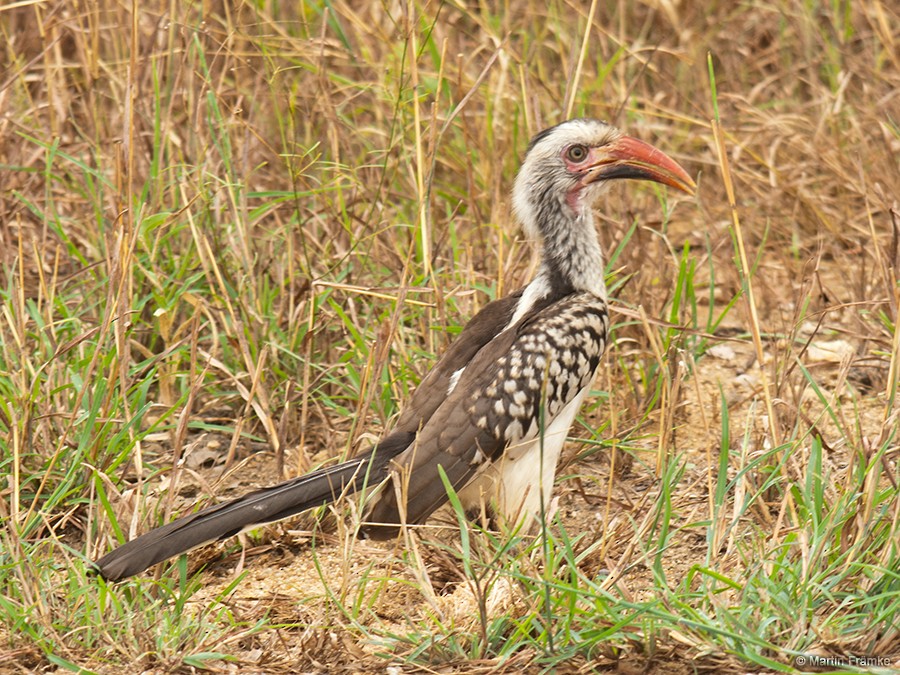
(552, 360)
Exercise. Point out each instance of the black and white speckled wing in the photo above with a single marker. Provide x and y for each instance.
(514, 387)
(432, 390)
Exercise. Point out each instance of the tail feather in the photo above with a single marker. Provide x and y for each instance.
(252, 510)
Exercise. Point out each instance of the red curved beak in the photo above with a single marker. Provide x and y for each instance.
(630, 158)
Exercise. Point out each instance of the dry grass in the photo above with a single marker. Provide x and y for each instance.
(236, 227)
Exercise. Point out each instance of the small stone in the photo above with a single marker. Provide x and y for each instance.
(721, 351)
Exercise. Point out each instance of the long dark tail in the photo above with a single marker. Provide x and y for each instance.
(245, 513)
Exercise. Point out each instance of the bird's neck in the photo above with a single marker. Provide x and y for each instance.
(571, 257)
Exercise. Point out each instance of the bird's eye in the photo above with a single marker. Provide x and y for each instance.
(576, 153)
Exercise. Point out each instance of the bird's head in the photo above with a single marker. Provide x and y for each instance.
(568, 166)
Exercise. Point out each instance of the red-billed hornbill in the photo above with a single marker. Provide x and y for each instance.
(495, 410)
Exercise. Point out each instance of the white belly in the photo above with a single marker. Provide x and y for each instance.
(518, 487)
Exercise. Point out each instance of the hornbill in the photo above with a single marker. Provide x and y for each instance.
(493, 413)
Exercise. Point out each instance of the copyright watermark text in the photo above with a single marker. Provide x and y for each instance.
(818, 661)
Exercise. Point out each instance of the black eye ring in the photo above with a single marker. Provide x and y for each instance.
(576, 153)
